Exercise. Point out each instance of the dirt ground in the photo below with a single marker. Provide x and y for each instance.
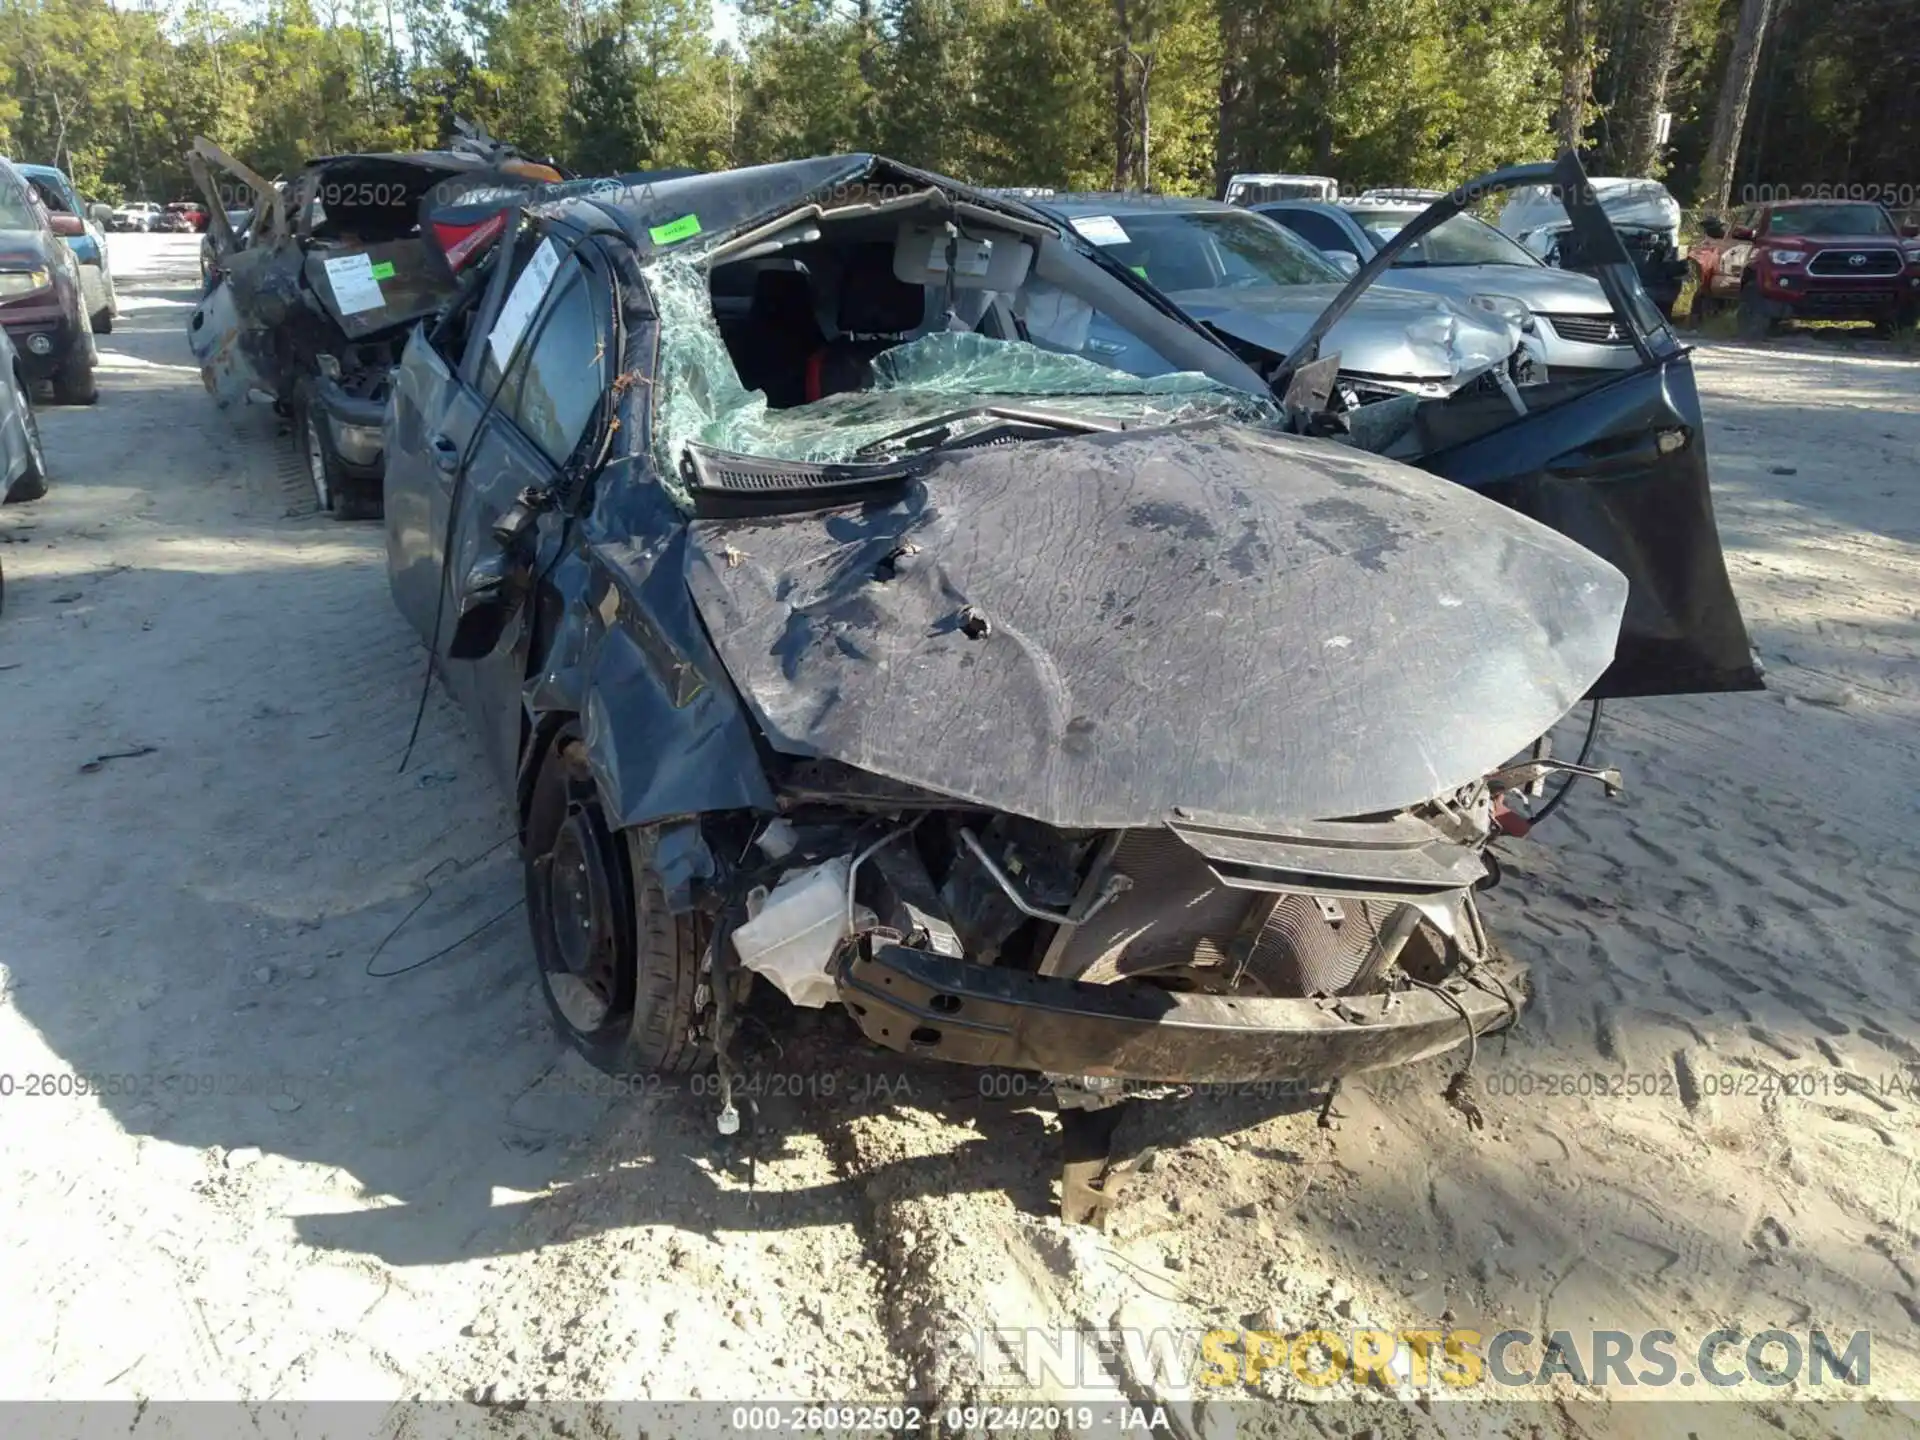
(341, 1156)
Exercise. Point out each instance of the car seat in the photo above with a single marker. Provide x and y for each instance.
(877, 311)
(780, 337)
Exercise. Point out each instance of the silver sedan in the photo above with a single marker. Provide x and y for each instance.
(1470, 262)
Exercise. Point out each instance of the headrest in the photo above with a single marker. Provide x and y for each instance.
(782, 294)
(873, 301)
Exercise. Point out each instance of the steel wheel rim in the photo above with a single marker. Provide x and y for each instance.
(317, 465)
(578, 911)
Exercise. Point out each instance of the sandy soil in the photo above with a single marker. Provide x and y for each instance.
(318, 1177)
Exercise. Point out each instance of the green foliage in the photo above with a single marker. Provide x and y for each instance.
(1010, 92)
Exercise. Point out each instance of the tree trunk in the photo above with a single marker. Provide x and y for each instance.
(1576, 75)
(1122, 98)
(1730, 117)
(1234, 71)
(1645, 87)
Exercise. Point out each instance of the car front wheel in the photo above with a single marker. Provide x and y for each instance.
(74, 384)
(1702, 307)
(619, 970)
(1757, 315)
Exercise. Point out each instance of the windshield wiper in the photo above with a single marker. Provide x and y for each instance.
(980, 425)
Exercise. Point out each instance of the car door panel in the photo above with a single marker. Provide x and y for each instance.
(556, 375)
(430, 418)
(1618, 465)
(1622, 470)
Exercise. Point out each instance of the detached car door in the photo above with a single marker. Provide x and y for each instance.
(1617, 463)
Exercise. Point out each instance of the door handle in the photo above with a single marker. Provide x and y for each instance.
(446, 454)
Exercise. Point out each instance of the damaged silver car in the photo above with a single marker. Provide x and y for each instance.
(833, 634)
(1252, 280)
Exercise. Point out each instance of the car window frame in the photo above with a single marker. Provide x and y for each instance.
(501, 398)
(1350, 245)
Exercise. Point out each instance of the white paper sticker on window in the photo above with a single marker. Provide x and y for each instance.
(1101, 229)
(523, 302)
(354, 288)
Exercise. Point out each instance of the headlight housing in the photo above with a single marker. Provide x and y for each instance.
(1786, 257)
(15, 283)
(1507, 308)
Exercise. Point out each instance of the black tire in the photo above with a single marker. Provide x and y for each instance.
(1703, 306)
(619, 971)
(1888, 327)
(32, 483)
(74, 384)
(335, 491)
(102, 323)
(1756, 316)
(359, 499)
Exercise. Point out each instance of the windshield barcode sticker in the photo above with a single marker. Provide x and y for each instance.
(1101, 229)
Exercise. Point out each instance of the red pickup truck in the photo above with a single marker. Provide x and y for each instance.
(1808, 259)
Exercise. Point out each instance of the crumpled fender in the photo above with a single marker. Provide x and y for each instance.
(665, 733)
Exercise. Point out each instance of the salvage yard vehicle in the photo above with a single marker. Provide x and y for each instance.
(312, 301)
(1473, 264)
(1808, 260)
(1131, 730)
(1645, 216)
(42, 296)
(83, 236)
(1254, 281)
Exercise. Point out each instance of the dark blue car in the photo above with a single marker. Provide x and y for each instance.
(824, 626)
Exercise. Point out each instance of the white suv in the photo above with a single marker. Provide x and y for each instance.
(136, 215)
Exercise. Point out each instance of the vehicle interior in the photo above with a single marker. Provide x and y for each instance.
(805, 305)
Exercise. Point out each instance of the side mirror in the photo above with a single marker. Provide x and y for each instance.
(489, 600)
(1911, 229)
(101, 214)
(1714, 227)
(1347, 265)
(1743, 232)
(68, 226)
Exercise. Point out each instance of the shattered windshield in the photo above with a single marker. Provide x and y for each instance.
(699, 398)
(1813, 221)
(1208, 249)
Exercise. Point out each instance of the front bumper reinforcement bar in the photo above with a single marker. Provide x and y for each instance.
(944, 1009)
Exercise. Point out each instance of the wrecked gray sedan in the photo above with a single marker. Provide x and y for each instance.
(829, 630)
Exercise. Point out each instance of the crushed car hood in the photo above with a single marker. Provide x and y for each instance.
(1393, 333)
(1106, 630)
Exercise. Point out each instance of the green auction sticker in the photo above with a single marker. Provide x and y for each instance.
(1139, 270)
(685, 228)
(383, 271)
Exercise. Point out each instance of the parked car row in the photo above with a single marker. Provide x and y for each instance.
(73, 223)
(44, 293)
